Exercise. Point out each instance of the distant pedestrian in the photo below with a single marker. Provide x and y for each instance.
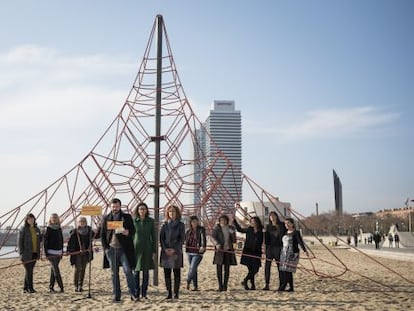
(390, 239)
(397, 240)
(377, 239)
(356, 239)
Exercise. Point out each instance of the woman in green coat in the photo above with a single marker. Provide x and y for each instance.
(145, 248)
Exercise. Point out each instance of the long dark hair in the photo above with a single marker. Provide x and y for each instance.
(258, 223)
(277, 219)
(30, 216)
(136, 214)
(225, 217)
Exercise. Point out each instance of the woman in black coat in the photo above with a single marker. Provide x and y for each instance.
(172, 236)
(29, 250)
(252, 250)
(224, 236)
(273, 241)
(53, 244)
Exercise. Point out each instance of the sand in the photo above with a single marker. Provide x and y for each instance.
(355, 282)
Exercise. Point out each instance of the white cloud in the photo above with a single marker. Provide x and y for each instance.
(333, 122)
(39, 87)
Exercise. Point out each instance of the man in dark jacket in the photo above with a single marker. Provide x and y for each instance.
(119, 248)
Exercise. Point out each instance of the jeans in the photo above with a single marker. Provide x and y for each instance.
(117, 258)
(141, 289)
(194, 260)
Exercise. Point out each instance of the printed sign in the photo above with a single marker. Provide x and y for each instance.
(113, 225)
(91, 210)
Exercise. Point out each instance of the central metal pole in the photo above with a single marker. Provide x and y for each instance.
(157, 144)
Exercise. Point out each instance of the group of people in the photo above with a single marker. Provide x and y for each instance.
(130, 242)
(29, 245)
(282, 242)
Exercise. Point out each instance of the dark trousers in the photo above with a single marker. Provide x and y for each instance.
(55, 272)
(286, 278)
(252, 271)
(272, 253)
(141, 289)
(177, 280)
(80, 268)
(223, 282)
(28, 275)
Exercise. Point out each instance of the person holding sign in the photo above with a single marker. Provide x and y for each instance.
(145, 247)
(117, 240)
(78, 246)
(172, 236)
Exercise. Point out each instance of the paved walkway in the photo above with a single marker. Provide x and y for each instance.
(406, 254)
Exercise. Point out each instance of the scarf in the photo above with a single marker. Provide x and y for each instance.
(54, 226)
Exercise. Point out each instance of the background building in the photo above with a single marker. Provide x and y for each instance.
(338, 193)
(219, 145)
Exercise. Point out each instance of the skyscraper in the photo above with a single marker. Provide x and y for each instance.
(338, 193)
(222, 144)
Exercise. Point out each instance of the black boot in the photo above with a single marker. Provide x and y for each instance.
(52, 282)
(176, 287)
(253, 284)
(226, 277)
(220, 277)
(60, 282)
(168, 286)
(290, 282)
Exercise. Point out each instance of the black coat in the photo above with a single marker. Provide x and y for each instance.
(274, 234)
(172, 235)
(252, 250)
(78, 242)
(53, 239)
(127, 242)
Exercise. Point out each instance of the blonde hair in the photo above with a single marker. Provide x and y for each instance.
(54, 216)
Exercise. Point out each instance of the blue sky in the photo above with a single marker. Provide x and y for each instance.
(321, 85)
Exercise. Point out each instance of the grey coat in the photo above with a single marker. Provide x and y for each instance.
(25, 243)
(219, 252)
(172, 235)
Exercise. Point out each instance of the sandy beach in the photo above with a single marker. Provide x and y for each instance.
(343, 280)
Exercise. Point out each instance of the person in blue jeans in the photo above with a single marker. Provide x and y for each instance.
(119, 249)
(195, 246)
